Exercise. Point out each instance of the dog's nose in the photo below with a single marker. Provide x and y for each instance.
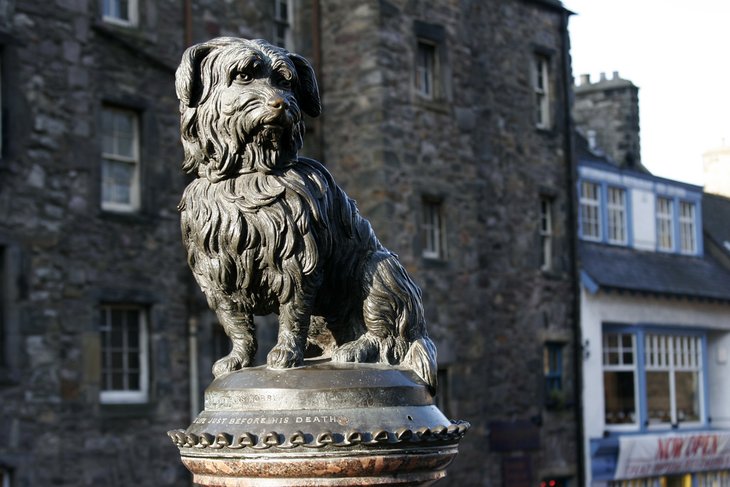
(278, 102)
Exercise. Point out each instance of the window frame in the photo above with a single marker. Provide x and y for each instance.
(135, 185)
(138, 395)
(640, 332)
(613, 209)
(433, 229)
(132, 13)
(671, 368)
(546, 233)
(428, 89)
(284, 22)
(621, 367)
(691, 233)
(552, 362)
(665, 220)
(541, 70)
(595, 203)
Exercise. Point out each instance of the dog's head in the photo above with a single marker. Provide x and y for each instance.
(241, 104)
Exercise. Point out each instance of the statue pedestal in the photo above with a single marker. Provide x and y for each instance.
(320, 425)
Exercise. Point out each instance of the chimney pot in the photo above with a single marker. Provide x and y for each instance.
(603, 76)
(615, 75)
(585, 79)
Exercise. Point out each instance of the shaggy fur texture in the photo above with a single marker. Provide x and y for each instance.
(267, 231)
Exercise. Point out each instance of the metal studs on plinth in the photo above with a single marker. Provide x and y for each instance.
(320, 425)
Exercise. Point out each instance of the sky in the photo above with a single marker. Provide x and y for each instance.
(678, 53)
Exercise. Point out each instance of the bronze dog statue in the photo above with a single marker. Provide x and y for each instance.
(267, 231)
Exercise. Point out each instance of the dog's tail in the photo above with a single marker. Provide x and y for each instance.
(421, 358)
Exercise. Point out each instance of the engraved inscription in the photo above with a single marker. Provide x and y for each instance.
(270, 420)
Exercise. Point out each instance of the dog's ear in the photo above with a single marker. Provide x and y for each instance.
(188, 82)
(307, 91)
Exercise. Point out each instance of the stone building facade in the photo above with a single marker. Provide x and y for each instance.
(448, 122)
(606, 113)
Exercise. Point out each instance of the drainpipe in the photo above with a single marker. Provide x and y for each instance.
(193, 363)
(571, 175)
(188, 23)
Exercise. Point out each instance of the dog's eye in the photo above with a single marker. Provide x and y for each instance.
(243, 77)
(285, 83)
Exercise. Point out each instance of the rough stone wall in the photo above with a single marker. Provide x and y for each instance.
(64, 256)
(610, 108)
(476, 148)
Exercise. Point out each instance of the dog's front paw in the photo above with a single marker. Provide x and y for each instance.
(229, 363)
(361, 350)
(283, 356)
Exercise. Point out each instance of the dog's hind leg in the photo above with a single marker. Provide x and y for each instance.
(394, 318)
(240, 328)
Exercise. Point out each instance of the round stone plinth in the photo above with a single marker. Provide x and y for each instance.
(323, 424)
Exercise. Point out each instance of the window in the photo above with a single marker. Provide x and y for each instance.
(282, 24)
(668, 368)
(553, 368)
(426, 69)
(616, 207)
(590, 215)
(120, 189)
(124, 369)
(687, 228)
(546, 234)
(123, 12)
(665, 223)
(672, 378)
(541, 87)
(433, 230)
(619, 378)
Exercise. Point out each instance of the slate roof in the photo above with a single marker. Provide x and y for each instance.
(620, 268)
(716, 219)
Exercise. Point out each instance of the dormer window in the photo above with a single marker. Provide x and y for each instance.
(616, 209)
(687, 228)
(590, 214)
(665, 224)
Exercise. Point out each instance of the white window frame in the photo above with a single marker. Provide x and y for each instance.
(427, 68)
(616, 223)
(590, 205)
(672, 353)
(546, 233)
(111, 12)
(434, 241)
(124, 396)
(622, 367)
(283, 19)
(665, 223)
(687, 227)
(541, 88)
(133, 160)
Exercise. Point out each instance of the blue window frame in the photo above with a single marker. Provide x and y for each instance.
(605, 213)
(654, 378)
(553, 372)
